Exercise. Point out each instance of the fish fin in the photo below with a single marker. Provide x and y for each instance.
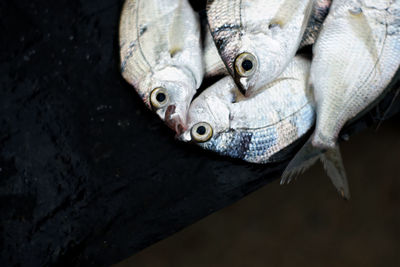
(362, 29)
(175, 40)
(303, 160)
(287, 10)
(332, 162)
(214, 66)
(333, 165)
(214, 70)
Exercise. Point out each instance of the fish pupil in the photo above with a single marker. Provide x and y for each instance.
(201, 130)
(247, 65)
(161, 97)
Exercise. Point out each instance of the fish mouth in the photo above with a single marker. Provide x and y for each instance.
(241, 88)
(239, 85)
(244, 87)
(174, 121)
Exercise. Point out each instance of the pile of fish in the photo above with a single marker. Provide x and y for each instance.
(270, 94)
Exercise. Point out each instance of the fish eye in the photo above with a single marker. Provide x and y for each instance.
(245, 64)
(202, 132)
(159, 98)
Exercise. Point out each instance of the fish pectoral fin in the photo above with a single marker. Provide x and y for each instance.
(303, 160)
(333, 165)
(214, 66)
(175, 39)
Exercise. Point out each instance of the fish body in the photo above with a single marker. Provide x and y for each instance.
(355, 58)
(257, 128)
(257, 38)
(161, 55)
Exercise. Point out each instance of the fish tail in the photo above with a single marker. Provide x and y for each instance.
(332, 162)
(333, 165)
(303, 160)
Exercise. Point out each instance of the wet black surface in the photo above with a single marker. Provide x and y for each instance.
(88, 176)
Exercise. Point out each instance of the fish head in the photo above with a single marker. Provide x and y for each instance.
(210, 121)
(209, 114)
(254, 59)
(169, 94)
(258, 62)
(240, 58)
(257, 39)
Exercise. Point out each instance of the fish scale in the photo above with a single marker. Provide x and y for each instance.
(226, 14)
(266, 142)
(355, 59)
(263, 143)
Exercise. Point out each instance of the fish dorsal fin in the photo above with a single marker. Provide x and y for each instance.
(177, 28)
(332, 162)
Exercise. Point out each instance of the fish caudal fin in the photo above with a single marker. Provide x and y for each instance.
(332, 162)
(333, 165)
(303, 160)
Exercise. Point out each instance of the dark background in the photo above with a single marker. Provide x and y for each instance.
(305, 223)
(88, 176)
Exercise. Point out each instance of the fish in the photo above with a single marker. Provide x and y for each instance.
(257, 39)
(161, 55)
(354, 59)
(255, 129)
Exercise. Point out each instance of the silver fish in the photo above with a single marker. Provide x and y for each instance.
(253, 129)
(161, 55)
(355, 58)
(257, 38)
